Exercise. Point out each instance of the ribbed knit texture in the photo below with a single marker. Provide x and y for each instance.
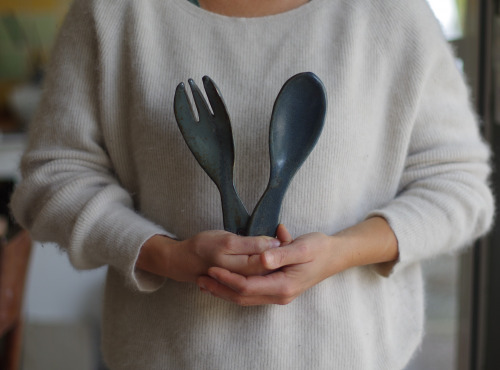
(106, 168)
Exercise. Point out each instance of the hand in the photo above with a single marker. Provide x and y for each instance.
(188, 259)
(304, 262)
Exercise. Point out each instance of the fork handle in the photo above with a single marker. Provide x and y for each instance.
(234, 213)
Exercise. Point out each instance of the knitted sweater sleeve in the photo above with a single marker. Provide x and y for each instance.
(69, 194)
(444, 201)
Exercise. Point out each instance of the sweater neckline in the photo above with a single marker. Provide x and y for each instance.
(205, 15)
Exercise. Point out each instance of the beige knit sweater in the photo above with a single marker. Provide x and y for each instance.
(107, 168)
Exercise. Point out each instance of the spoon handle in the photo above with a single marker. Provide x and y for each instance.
(266, 215)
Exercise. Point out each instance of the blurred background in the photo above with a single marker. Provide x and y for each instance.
(61, 308)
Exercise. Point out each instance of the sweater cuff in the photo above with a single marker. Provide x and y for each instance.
(110, 233)
(141, 280)
(386, 269)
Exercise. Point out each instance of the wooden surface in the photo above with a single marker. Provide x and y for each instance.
(14, 259)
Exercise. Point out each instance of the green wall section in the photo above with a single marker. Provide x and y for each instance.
(25, 43)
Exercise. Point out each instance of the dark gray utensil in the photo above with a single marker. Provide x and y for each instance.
(296, 124)
(210, 139)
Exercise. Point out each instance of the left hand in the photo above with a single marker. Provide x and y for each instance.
(300, 264)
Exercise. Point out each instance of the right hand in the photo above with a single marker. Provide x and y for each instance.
(188, 259)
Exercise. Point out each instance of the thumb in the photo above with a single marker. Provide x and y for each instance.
(283, 235)
(292, 254)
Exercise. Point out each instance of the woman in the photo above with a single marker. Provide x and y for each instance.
(399, 175)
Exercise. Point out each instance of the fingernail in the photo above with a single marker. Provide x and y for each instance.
(204, 291)
(275, 243)
(269, 260)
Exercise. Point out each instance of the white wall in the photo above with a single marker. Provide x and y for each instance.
(56, 292)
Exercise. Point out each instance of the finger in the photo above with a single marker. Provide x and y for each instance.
(213, 287)
(248, 245)
(274, 284)
(283, 235)
(219, 290)
(244, 264)
(234, 281)
(292, 254)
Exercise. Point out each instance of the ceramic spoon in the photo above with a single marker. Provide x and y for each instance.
(296, 124)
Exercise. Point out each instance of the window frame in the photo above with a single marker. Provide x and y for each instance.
(479, 304)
